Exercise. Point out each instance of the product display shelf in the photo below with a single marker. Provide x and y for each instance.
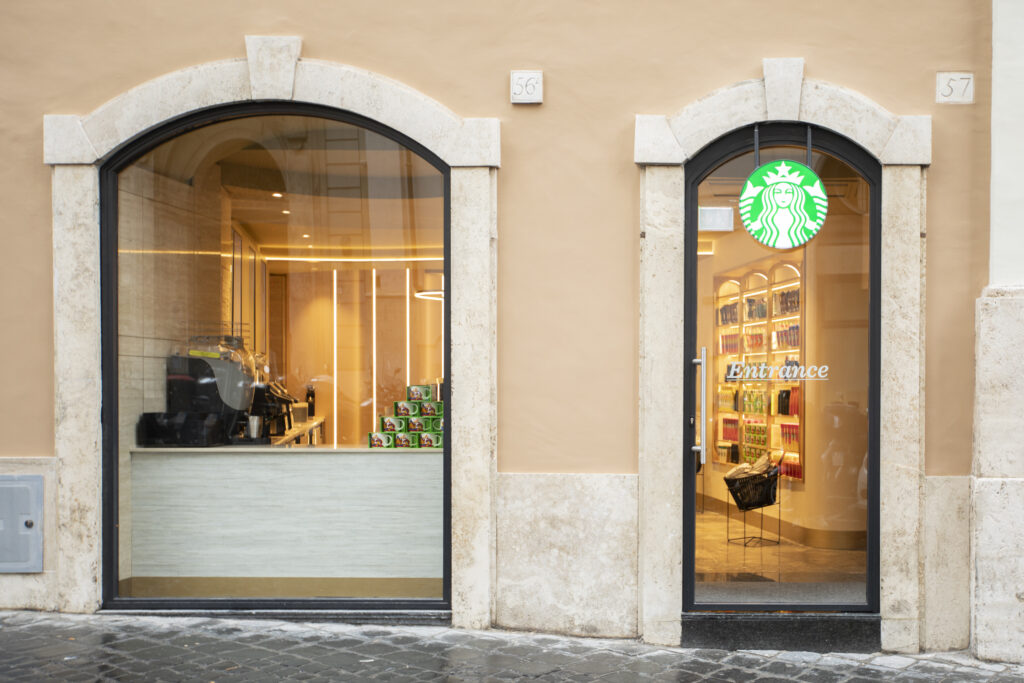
(758, 320)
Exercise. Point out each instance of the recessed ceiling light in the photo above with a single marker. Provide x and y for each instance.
(306, 236)
(277, 194)
(285, 212)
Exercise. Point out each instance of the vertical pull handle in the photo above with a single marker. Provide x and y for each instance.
(703, 363)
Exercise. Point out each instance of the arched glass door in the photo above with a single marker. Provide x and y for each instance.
(781, 508)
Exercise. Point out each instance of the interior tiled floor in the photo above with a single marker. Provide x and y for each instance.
(756, 571)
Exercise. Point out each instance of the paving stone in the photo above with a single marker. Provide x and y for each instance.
(893, 661)
(744, 660)
(817, 675)
(39, 647)
(783, 668)
(678, 677)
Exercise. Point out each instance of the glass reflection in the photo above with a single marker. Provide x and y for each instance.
(271, 309)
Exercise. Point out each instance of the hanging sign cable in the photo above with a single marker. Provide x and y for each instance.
(783, 203)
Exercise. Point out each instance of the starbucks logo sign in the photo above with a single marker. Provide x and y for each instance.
(783, 204)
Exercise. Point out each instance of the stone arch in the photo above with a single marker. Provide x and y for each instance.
(76, 146)
(662, 145)
(272, 70)
(783, 94)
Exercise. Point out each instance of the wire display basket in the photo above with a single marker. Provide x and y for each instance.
(753, 491)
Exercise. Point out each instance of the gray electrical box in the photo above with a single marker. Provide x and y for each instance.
(21, 523)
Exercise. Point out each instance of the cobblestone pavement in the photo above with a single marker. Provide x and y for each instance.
(51, 647)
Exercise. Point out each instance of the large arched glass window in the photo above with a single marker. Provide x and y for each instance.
(276, 343)
(783, 222)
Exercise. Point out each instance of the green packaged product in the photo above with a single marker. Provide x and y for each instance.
(431, 440)
(420, 424)
(393, 424)
(419, 392)
(381, 440)
(432, 408)
(407, 408)
(407, 440)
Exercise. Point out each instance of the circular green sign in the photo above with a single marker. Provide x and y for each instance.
(783, 204)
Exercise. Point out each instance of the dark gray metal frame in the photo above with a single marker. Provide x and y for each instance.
(416, 610)
(697, 169)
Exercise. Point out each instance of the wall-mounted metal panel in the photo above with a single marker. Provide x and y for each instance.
(21, 523)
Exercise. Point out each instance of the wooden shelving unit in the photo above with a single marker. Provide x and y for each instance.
(759, 327)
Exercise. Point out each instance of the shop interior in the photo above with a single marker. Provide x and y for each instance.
(787, 337)
(281, 291)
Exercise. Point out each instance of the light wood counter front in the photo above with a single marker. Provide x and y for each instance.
(264, 512)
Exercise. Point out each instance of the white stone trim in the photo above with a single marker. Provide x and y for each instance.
(1006, 242)
(783, 94)
(567, 553)
(662, 282)
(715, 115)
(903, 145)
(78, 433)
(910, 142)
(274, 70)
(65, 141)
(997, 474)
(783, 81)
(272, 61)
(901, 442)
(75, 146)
(474, 390)
(654, 142)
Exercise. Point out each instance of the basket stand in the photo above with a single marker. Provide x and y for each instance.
(760, 538)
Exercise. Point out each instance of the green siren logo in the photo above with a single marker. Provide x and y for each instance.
(783, 204)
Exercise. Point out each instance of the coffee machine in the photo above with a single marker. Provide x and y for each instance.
(210, 395)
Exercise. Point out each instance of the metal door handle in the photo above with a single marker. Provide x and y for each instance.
(703, 363)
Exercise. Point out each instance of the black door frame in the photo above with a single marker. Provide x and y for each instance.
(696, 170)
(403, 609)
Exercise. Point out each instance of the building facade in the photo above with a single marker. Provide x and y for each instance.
(584, 266)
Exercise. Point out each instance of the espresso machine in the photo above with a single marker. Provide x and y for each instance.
(212, 391)
(271, 403)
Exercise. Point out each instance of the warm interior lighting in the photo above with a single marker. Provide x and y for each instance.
(285, 211)
(442, 327)
(788, 317)
(277, 195)
(334, 347)
(408, 331)
(430, 294)
(328, 259)
(305, 236)
(172, 252)
(373, 296)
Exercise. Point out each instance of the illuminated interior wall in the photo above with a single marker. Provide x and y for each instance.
(319, 243)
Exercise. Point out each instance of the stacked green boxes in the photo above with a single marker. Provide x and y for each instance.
(417, 422)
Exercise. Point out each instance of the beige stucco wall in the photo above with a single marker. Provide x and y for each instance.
(568, 211)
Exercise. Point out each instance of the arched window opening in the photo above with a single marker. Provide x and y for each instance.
(276, 350)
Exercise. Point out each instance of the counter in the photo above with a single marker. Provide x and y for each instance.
(263, 512)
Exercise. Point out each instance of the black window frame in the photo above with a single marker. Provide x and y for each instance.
(427, 610)
(696, 170)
